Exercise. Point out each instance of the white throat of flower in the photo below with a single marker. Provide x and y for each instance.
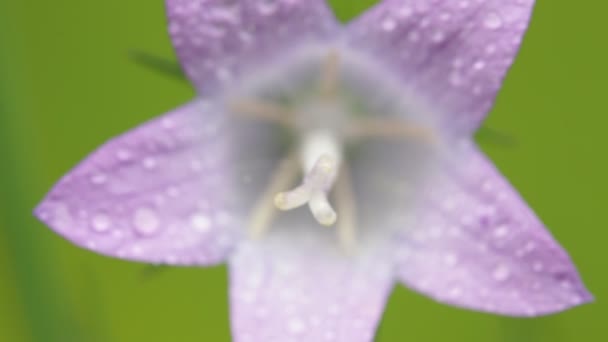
(319, 156)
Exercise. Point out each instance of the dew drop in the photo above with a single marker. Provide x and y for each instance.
(296, 326)
(145, 221)
(149, 163)
(413, 36)
(566, 284)
(245, 37)
(389, 25)
(455, 79)
(490, 49)
(98, 179)
(267, 7)
(438, 37)
(329, 335)
(445, 16)
(493, 21)
(167, 123)
(173, 191)
(200, 223)
(123, 155)
(501, 231)
(450, 260)
(455, 292)
(576, 299)
(501, 273)
(196, 165)
(538, 266)
(136, 251)
(101, 223)
(405, 11)
(62, 218)
(223, 74)
(479, 65)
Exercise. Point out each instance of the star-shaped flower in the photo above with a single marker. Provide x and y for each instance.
(301, 123)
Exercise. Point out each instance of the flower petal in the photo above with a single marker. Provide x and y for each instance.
(452, 54)
(216, 40)
(474, 243)
(150, 195)
(290, 287)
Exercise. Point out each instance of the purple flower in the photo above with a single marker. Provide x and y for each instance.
(301, 123)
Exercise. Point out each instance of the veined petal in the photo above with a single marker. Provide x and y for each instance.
(152, 195)
(452, 54)
(474, 243)
(216, 40)
(303, 289)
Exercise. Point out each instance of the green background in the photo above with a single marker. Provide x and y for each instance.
(67, 84)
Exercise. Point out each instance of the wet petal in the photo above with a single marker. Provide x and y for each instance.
(216, 40)
(452, 54)
(296, 287)
(153, 194)
(474, 243)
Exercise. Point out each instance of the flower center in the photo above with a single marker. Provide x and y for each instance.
(323, 126)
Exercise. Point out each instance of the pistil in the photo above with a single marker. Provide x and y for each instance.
(314, 190)
(321, 158)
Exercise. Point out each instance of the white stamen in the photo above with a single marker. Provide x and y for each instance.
(321, 157)
(264, 212)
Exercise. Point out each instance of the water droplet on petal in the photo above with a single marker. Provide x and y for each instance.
(501, 231)
(296, 326)
(438, 37)
(149, 163)
(123, 155)
(200, 223)
(479, 65)
(455, 292)
(267, 7)
(451, 260)
(167, 123)
(146, 221)
(501, 273)
(329, 335)
(98, 178)
(101, 223)
(493, 21)
(245, 37)
(173, 191)
(389, 25)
